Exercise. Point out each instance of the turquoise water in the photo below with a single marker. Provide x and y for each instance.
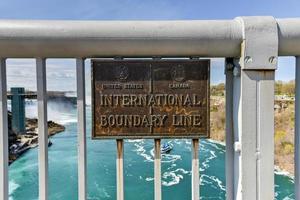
(176, 166)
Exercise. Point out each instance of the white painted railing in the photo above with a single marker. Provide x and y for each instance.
(251, 46)
(297, 130)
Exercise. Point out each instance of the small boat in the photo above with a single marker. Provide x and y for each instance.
(49, 143)
(166, 148)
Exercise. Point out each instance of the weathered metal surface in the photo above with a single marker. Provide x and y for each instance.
(150, 99)
(259, 33)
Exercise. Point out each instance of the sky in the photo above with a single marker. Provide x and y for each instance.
(61, 73)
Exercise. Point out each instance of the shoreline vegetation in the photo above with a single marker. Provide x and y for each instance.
(20, 143)
(284, 122)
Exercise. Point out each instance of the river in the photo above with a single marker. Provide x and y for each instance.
(101, 154)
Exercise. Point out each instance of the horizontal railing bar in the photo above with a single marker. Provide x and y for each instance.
(67, 39)
(113, 38)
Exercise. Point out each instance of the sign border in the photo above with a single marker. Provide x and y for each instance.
(94, 137)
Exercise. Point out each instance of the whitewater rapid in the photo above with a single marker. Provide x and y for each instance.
(138, 164)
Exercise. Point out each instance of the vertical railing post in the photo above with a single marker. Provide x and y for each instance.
(253, 109)
(254, 131)
(42, 127)
(195, 169)
(229, 130)
(3, 133)
(157, 169)
(157, 161)
(120, 169)
(297, 130)
(81, 128)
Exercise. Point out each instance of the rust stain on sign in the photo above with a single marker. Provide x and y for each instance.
(150, 99)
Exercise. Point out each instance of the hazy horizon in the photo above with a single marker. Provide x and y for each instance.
(61, 73)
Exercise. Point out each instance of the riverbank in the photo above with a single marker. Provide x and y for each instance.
(284, 130)
(20, 143)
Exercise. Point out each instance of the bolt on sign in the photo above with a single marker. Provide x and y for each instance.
(150, 99)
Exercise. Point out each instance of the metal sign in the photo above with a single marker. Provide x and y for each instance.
(150, 99)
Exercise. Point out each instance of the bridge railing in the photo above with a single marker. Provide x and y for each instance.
(251, 46)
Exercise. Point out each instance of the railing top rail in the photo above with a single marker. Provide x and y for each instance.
(63, 39)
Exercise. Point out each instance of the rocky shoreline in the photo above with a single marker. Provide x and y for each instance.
(20, 143)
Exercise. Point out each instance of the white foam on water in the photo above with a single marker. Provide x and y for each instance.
(276, 193)
(212, 180)
(214, 143)
(213, 198)
(175, 176)
(279, 171)
(288, 198)
(187, 141)
(177, 141)
(148, 179)
(170, 177)
(152, 152)
(102, 192)
(175, 179)
(149, 157)
(13, 186)
(134, 140)
(142, 151)
(188, 147)
(172, 166)
(219, 183)
(203, 181)
(170, 158)
(207, 160)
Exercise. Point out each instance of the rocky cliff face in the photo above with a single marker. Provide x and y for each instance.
(284, 130)
(11, 135)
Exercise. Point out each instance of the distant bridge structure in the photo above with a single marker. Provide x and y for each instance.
(26, 95)
(51, 95)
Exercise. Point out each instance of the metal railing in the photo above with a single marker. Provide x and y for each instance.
(251, 46)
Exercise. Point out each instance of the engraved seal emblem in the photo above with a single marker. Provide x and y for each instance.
(178, 73)
(121, 73)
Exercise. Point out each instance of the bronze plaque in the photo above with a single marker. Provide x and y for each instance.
(150, 99)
